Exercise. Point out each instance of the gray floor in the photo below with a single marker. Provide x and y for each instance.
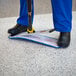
(22, 58)
(9, 8)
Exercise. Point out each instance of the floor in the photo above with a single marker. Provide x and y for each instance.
(22, 58)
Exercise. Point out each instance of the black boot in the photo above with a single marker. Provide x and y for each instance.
(64, 39)
(17, 29)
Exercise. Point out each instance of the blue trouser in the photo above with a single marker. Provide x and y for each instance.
(23, 18)
(62, 14)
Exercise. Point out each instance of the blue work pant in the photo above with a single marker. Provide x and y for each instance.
(62, 14)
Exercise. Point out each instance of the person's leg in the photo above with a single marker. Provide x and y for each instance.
(22, 21)
(23, 18)
(62, 18)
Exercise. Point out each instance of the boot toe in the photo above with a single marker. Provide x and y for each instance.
(63, 44)
(9, 31)
(17, 29)
(64, 40)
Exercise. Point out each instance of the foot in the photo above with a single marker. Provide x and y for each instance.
(64, 39)
(17, 29)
